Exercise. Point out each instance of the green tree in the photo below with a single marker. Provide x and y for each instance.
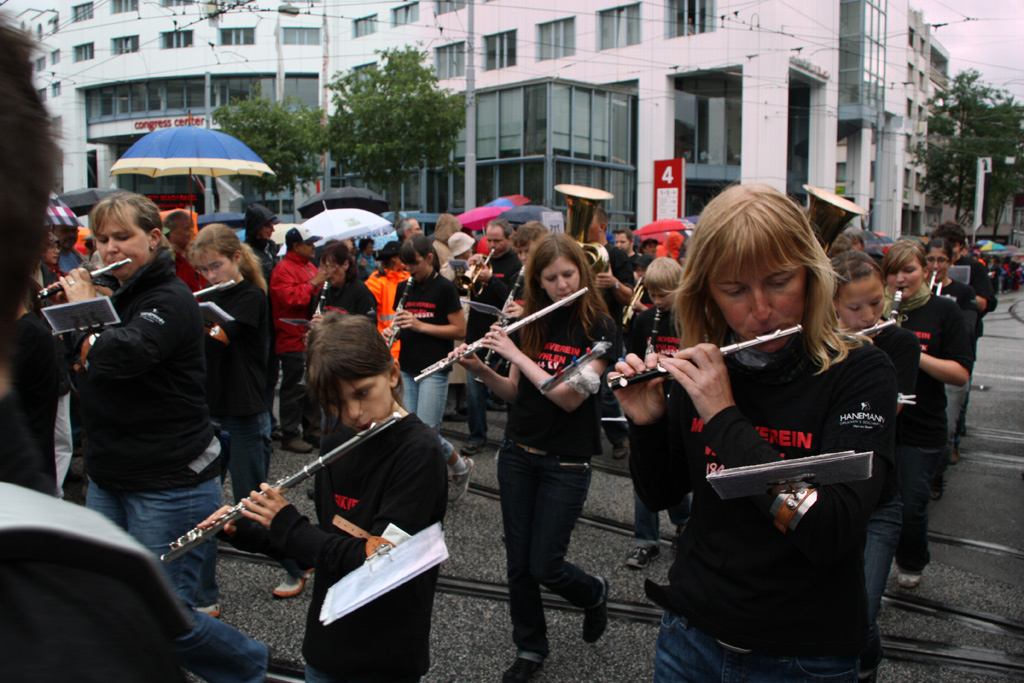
(967, 121)
(288, 136)
(393, 118)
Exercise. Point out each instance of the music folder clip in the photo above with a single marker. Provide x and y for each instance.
(815, 470)
(83, 316)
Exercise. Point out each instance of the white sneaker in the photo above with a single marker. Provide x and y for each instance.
(210, 610)
(459, 483)
(291, 586)
(908, 579)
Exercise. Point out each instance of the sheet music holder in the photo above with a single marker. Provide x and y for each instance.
(960, 274)
(301, 322)
(458, 265)
(92, 314)
(214, 314)
(486, 309)
(816, 470)
(384, 572)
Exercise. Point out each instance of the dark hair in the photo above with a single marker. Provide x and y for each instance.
(952, 232)
(528, 232)
(417, 244)
(854, 265)
(585, 310)
(338, 253)
(505, 226)
(601, 214)
(625, 231)
(365, 242)
(178, 219)
(940, 243)
(29, 157)
(648, 242)
(345, 347)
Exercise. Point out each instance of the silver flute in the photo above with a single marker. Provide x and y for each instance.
(213, 288)
(618, 381)
(448, 362)
(198, 535)
(56, 287)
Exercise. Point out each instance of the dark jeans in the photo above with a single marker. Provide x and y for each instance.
(295, 408)
(916, 467)
(883, 534)
(541, 498)
(646, 531)
(476, 409)
(273, 374)
(617, 432)
(685, 653)
(315, 675)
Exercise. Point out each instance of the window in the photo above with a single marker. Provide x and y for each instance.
(119, 6)
(42, 94)
(689, 17)
(41, 64)
(175, 39)
(300, 36)
(122, 46)
(237, 36)
(81, 12)
(450, 60)
(83, 52)
(406, 14)
(841, 172)
(364, 26)
(55, 90)
(556, 39)
(176, 3)
(620, 27)
(500, 49)
(55, 57)
(709, 119)
(444, 6)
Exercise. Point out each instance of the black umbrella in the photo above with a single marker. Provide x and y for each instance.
(82, 201)
(344, 198)
(525, 214)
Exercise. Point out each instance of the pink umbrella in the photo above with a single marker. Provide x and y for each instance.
(476, 219)
(660, 229)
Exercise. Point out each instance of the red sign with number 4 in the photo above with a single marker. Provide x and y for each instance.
(669, 194)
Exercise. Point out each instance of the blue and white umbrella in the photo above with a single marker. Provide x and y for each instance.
(188, 150)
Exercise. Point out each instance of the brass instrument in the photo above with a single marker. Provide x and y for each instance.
(198, 535)
(617, 380)
(466, 283)
(829, 213)
(398, 309)
(630, 311)
(583, 203)
(55, 288)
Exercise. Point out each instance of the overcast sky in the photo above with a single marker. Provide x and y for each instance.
(987, 35)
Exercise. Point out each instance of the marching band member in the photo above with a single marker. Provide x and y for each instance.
(382, 283)
(397, 478)
(742, 566)
(544, 460)
(345, 294)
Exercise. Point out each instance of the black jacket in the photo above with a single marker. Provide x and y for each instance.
(143, 396)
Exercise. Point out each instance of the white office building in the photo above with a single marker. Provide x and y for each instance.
(580, 91)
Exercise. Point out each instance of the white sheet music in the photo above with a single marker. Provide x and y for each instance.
(386, 572)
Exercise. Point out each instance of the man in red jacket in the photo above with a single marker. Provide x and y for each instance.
(293, 284)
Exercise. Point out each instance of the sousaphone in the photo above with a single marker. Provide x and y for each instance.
(583, 203)
(829, 214)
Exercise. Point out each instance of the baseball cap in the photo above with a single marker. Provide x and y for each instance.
(299, 234)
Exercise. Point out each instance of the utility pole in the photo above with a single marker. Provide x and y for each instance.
(984, 166)
(470, 188)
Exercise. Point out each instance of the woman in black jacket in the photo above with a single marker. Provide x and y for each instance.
(746, 565)
(153, 459)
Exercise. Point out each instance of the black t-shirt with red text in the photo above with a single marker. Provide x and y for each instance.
(504, 270)
(352, 299)
(536, 421)
(431, 301)
(236, 372)
(940, 329)
(665, 339)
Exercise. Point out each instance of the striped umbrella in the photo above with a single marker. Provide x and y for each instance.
(59, 213)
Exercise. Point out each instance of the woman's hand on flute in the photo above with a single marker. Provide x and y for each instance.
(264, 505)
(702, 373)
(78, 285)
(228, 529)
(643, 403)
(470, 361)
(497, 338)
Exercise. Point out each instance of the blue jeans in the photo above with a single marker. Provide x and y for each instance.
(213, 649)
(541, 498)
(476, 409)
(685, 653)
(883, 534)
(956, 398)
(315, 675)
(427, 399)
(646, 528)
(916, 467)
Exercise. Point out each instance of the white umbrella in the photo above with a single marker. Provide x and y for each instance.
(339, 224)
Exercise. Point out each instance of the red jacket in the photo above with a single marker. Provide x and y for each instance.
(188, 274)
(290, 293)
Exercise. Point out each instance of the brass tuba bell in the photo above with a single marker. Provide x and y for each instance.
(583, 203)
(829, 213)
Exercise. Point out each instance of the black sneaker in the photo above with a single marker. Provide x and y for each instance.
(522, 670)
(641, 556)
(938, 487)
(471, 448)
(595, 619)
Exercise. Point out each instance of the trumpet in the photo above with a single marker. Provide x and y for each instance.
(198, 535)
(47, 292)
(466, 283)
(398, 309)
(617, 380)
(213, 288)
(472, 348)
(630, 311)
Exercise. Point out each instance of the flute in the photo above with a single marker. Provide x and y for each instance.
(618, 381)
(47, 292)
(198, 535)
(447, 362)
(213, 288)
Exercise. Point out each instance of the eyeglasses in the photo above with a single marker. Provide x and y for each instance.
(938, 260)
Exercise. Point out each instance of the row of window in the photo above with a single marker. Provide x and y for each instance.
(171, 40)
(85, 11)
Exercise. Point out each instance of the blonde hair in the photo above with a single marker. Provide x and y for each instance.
(747, 228)
(663, 274)
(218, 238)
(903, 252)
(128, 209)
